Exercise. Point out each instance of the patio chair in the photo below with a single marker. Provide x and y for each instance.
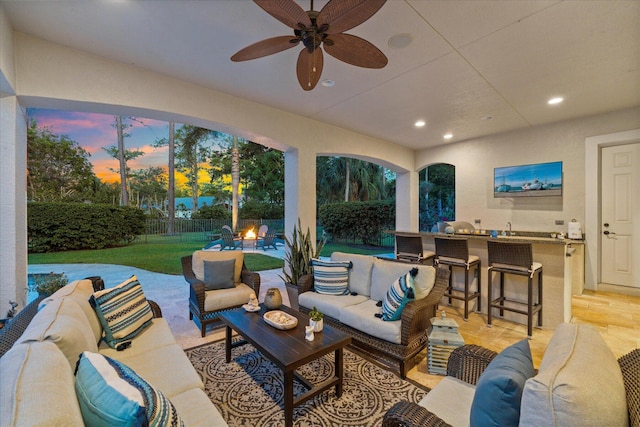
(262, 231)
(269, 240)
(409, 248)
(207, 305)
(228, 241)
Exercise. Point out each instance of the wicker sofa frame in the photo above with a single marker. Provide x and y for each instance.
(467, 363)
(197, 294)
(416, 319)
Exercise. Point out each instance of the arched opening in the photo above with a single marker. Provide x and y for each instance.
(437, 195)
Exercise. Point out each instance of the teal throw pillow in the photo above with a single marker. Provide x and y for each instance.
(219, 274)
(496, 401)
(399, 294)
(112, 394)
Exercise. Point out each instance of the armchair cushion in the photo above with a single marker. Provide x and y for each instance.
(123, 311)
(197, 263)
(224, 298)
(450, 401)
(219, 274)
(499, 390)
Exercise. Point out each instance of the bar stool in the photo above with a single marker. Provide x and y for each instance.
(409, 248)
(454, 252)
(514, 258)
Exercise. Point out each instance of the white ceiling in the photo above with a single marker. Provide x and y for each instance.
(468, 59)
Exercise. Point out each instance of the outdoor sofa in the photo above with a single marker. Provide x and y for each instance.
(369, 280)
(579, 383)
(39, 382)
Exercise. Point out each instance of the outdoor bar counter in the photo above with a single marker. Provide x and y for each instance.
(562, 266)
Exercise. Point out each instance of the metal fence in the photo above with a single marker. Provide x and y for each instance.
(199, 230)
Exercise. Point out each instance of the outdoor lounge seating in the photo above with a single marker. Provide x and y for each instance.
(269, 240)
(228, 240)
(579, 383)
(206, 305)
(355, 312)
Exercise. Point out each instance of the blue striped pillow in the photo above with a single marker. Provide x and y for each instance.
(398, 295)
(112, 394)
(331, 277)
(123, 311)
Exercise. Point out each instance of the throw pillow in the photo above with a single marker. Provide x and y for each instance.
(399, 294)
(123, 312)
(219, 274)
(330, 277)
(499, 390)
(112, 394)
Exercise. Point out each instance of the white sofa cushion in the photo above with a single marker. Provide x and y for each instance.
(80, 291)
(196, 410)
(225, 298)
(579, 383)
(198, 258)
(63, 323)
(331, 305)
(30, 374)
(157, 335)
(451, 401)
(362, 317)
(359, 274)
(424, 281)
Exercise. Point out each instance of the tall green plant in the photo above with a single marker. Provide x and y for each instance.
(298, 255)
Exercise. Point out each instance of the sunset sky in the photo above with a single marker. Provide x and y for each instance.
(94, 131)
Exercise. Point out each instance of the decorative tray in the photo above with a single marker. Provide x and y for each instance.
(280, 320)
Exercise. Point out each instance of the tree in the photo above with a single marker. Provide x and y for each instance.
(437, 195)
(262, 173)
(345, 179)
(190, 151)
(58, 169)
(123, 156)
(148, 188)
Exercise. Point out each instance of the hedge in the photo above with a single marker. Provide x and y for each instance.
(54, 227)
(357, 220)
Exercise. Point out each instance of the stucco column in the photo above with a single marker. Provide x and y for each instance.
(300, 189)
(407, 207)
(13, 205)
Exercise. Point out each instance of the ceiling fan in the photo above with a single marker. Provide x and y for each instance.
(314, 29)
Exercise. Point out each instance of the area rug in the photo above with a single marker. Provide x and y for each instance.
(248, 391)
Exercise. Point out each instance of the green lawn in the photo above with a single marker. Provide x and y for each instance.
(164, 257)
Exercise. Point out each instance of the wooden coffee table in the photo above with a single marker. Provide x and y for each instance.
(288, 350)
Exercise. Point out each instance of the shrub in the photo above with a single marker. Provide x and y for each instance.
(261, 210)
(53, 227)
(357, 220)
(212, 212)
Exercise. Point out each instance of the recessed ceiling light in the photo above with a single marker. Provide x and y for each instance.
(556, 100)
(400, 41)
(328, 83)
(447, 136)
(420, 123)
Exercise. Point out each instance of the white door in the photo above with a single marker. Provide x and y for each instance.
(620, 215)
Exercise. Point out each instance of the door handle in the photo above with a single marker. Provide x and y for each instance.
(607, 232)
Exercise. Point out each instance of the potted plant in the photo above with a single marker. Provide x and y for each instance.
(299, 252)
(47, 284)
(315, 319)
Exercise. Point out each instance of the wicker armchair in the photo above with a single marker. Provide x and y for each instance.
(467, 363)
(416, 319)
(205, 305)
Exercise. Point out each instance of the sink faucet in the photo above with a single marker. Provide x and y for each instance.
(509, 225)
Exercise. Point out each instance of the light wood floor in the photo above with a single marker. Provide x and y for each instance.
(616, 316)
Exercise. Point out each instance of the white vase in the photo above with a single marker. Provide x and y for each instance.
(317, 325)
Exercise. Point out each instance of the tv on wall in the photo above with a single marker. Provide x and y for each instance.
(536, 180)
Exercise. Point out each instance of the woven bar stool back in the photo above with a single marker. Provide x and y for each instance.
(409, 248)
(514, 258)
(454, 252)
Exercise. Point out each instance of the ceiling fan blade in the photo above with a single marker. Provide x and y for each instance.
(286, 11)
(265, 47)
(355, 51)
(309, 68)
(342, 15)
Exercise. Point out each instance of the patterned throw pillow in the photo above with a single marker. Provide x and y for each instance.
(112, 394)
(331, 277)
(400, 293)
(123, 311)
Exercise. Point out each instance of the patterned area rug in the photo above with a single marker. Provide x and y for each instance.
(248, 391)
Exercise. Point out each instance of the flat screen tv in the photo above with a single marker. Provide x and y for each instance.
(536, 180)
